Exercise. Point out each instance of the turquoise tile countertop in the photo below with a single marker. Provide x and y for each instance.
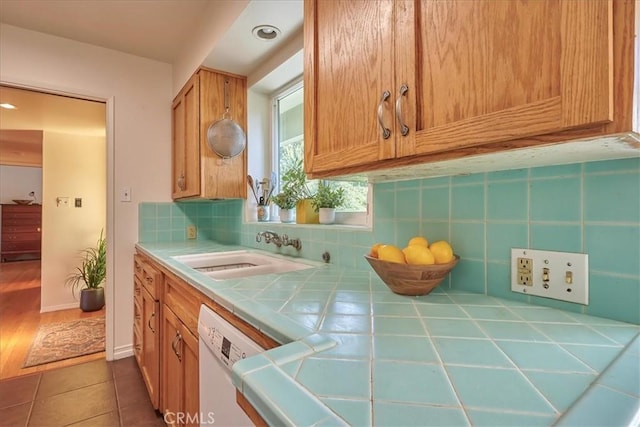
(354, 353)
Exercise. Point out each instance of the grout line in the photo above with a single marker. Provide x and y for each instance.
(33, 400)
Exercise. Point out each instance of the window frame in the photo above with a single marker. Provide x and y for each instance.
(343, 218)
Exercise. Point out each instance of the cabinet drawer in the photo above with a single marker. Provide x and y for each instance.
(137, 313)
(20, 237)
(137, 266)
(13, 246)
(21, 217)
(152, 280)
(137, 289)
(21, 228)
(183, 301)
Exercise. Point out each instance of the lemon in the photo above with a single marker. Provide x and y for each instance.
(418, 254)
(442, 252)
(391, 253)
(418, 240)
(374, 250)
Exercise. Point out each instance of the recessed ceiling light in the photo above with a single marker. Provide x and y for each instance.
(8, 106)
(266, 32)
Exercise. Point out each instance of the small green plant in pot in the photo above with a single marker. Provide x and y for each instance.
(295, 181)
(90, 276)
(286, 201)
(326, 200)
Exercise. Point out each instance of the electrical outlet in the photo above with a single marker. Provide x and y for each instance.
(192, 232)
(525, 272)
(559, 275)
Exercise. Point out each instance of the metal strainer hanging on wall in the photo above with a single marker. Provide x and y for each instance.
(225, 137)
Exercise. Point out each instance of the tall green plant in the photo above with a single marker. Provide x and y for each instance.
(294, 181)
(93, 270)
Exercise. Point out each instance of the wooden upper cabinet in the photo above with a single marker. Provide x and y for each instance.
(463, 77)
(347, 71)
(186, 134)
(491, 71)
(197, 171)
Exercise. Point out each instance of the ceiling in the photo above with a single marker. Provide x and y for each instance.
(53, 113)
(153, 29)
(160, 30)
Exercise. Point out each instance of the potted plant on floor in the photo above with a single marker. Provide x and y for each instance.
(295, 181)
(286, 201)
(326, 200)
(90, 276)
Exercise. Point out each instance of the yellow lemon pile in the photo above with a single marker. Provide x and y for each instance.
(417, 252)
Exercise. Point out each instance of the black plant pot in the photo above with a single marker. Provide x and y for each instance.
(91, 299)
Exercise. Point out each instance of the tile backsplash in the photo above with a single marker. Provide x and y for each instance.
(591, 208)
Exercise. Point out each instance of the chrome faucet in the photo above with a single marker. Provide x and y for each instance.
(284, 240)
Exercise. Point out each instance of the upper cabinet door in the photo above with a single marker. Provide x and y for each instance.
(349, 63)
(186, 140)
(494, 70)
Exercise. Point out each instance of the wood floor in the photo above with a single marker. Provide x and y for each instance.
(20, 317)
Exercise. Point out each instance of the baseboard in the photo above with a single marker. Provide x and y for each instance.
(123, 351)
(60, 307)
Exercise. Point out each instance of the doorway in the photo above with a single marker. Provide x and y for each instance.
(73, 200)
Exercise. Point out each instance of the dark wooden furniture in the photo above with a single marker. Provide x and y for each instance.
(21, 232)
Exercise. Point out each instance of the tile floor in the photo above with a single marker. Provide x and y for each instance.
(97, 393)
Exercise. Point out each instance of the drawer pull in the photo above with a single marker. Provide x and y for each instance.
(404, 129)
(149, 322)
(386, 133)
(174, 345)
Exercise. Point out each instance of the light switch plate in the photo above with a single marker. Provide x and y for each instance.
(559, 275)
(125, 195)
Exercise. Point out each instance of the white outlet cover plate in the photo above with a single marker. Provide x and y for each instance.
(558, 263)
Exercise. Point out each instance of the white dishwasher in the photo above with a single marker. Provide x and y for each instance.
(221, 345)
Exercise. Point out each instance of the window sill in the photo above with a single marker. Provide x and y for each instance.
(312, 226)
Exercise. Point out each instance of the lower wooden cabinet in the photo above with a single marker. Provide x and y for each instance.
(165, 336)
(180, 390)
(146, 325)
(151, 346)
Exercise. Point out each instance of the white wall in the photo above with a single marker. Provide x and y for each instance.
(139, 143)
(258, 144)
(74, 166)
(16, 182)
(214, 22)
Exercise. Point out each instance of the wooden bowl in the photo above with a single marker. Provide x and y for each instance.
(407, 279)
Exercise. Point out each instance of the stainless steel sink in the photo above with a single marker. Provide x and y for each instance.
(236, 264)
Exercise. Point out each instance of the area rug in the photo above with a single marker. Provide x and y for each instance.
(64, 340)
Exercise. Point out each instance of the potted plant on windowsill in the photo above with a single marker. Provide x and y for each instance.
(90, 276)
(295, 181)
(286, 201)
(326, 200)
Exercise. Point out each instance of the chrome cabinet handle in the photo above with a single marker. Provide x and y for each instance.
(149, 322)
(404, 129)
(386, 133)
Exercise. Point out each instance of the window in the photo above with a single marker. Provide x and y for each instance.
(289, 149)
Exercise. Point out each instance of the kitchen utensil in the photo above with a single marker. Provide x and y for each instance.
(22, 202)
(225, 137)
(410, 279)
(252, 185)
